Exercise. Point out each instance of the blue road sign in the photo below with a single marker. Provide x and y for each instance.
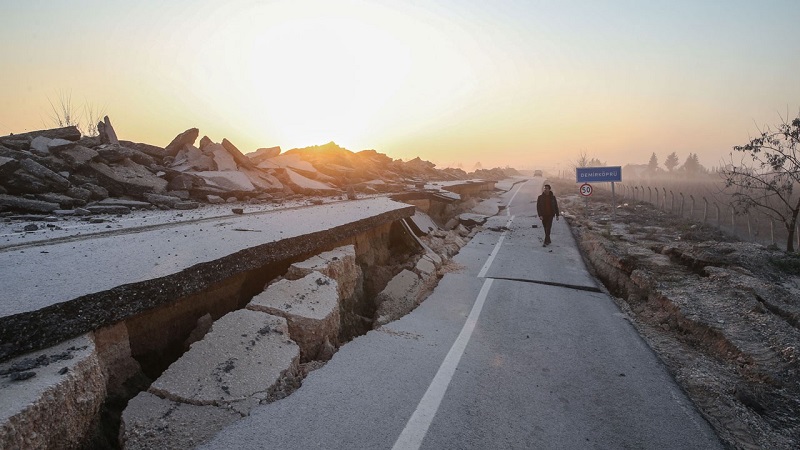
(598, 174)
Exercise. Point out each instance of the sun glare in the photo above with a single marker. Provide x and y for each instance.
(321, 79)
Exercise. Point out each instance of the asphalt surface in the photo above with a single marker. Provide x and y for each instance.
(37, 274)
(516, 348)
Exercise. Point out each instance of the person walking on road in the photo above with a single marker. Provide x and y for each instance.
(547, 208)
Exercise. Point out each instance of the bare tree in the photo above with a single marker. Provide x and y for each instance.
(583, 159)
(767, 176)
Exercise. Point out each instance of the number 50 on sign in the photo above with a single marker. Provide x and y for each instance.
(586, 189)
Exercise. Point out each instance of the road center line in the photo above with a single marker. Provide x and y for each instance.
(496, 249)
(417, 426)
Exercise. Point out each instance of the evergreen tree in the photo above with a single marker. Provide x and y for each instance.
(652, 166)
(671, 162)
(692, 165)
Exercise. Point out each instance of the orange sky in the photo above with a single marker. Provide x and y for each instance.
(506, 83)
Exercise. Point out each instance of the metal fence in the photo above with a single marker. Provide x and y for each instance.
(706, 202)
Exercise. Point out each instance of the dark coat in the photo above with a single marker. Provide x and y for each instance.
(547, 205)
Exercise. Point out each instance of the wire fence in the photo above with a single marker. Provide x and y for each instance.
(704, 201)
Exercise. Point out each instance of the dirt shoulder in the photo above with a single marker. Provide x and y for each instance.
(723, 315)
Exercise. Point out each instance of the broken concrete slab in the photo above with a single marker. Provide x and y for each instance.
(128, 178)
(245, 355)
(122, 202)
(398, 298)
(53, 179)
(24, 204)
(39, 146)
(263, 153)
(70, 133)
(311, 308)
(162, 200)
(108, 209)
(422, 224)
(114, 352)
(299, 183)
(51, 398)
(151, 422)
(132, 272)
(263, 180)
(425, 266)
(78, 155)
(222, 158)
(241, 160)
(8, 166)
(107, 133)
(338, 264)
(292, 161)
(186, 138)
(191, 158)
(489, 207)
(470, 219)
(64, 201)
(227, 180)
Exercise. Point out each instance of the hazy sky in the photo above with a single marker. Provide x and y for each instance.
(530, 84)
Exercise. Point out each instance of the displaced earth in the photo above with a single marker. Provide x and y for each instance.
(63, 173)
(723, 315)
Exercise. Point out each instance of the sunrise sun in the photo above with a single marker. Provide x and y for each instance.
(324, 79)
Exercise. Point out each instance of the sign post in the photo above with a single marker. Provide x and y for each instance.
(610, 174)
(586, 191)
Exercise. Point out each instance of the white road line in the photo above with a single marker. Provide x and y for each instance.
(495, 250)
(508, 207)
(417, 427)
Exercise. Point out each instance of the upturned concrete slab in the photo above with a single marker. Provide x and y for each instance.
(45, 287)
(50, 398)
(423, 223)
(307, 185)
(398, 298)
(313, 296)
(150, 422)
(425, 266)
(245, 355)
(338, 264)
(227, 179)
(310, 306)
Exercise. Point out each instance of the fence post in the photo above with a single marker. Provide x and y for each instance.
(772, 231)
(749, 229)
(719, 216)
(756, 229)
(683, 199)
(642, 191)
(705, 209)
(664, 205)
(650, 195)
(672, 201)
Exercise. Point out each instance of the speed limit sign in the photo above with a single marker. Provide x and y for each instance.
(586, 189)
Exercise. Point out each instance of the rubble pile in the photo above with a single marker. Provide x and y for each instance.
(60, 172)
